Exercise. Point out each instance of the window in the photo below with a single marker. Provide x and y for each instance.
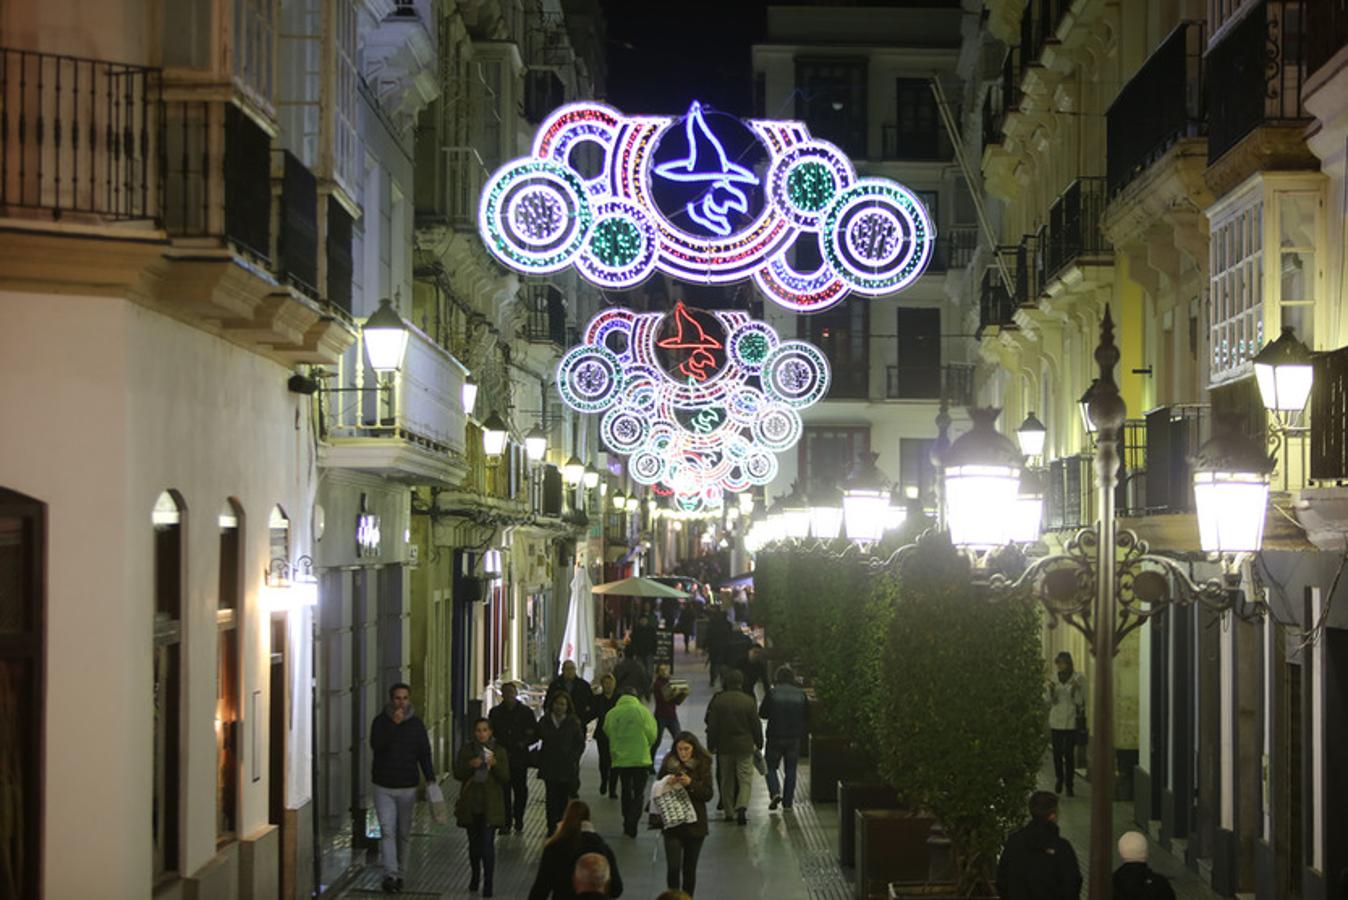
(254, 42)
(1237, 301)
(917, 373)
(228, 666)
(23, 535)
(1296, 263)
(918, 127)
(828, 453)
(831, 99)
(167, 521)
(841, 333)
(346, 149)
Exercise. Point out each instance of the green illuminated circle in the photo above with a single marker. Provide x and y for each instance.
(753, 348)
(615, 241)
(810, 186)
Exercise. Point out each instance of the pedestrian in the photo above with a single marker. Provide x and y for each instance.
(603, 702)
(787, 710)
(482, 766)
(575, 836)
(559, 758)
(1037, 862)
(631, 731)
(718, 637)
(755, 670)
(1067, 709)
(667, 700)
(669, 611)
(1134, 879)
(643, 643)
(400, 755)
(591, 877)
(686, 623)
(515, 728)
(582, 703)
(630, 672)
(689, 766)
(734, 734)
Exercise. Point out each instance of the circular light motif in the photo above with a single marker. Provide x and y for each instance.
(589, 378)
(620, 250)
(750, 345)
(805, 178)
(535, 215)
(622, 431)
(760, 468)
(877, 237)
(810, 186)
(778, 428)
(646, 467)
(795, 374)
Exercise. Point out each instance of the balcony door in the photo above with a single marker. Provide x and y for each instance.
(842, 333)
(917, 374)
(831, 99)
(828, 453)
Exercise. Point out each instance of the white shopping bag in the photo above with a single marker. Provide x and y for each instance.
(439, 812)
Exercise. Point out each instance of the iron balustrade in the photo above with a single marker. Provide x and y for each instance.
(994, 115)
(1073, 230)
(297, 241)
(464, 175)
(1150, 113)
(927, 145)
(996, 306)
(958, 246)
(1173, 436)
(1256, 73)
(1326, 32)
(216, 173)
(953, 381)
(1068, 489)
(1329, 417)
(1038, 26)
(78, 135)
(547, 315)
(341, 266)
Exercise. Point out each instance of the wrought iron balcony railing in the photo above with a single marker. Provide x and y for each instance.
(1173, 436)
(1255, 74)
(1329, 417)
(1326, 32)
(953, 381)
(1073, 231)
(78, 136)
(1151, 113)
(547, 315)
(1038, 26)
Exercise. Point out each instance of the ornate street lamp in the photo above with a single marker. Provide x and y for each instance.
(1230, 474)
(1031, 435)
(494, 433)
(1284, 373)
(866, 502)
(591, 478)
(796, 515)
(982, 481)
(1029, 512)
(1084, 404)
(535, 444)
(897, 511)
(469, 395)
(620, 501)
(385, 335)
(746, 502)
(826, 513)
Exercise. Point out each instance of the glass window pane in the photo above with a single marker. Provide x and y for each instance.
(1297, 220)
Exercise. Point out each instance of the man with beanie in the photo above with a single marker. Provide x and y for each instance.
(1134, 879)
(1037, 862)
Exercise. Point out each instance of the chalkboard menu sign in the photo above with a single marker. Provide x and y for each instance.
(664, 649)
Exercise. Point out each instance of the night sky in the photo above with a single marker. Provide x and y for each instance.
(663, 54)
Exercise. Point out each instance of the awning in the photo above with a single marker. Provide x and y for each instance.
(744, 579)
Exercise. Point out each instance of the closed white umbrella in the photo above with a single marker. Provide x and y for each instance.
(578, 638)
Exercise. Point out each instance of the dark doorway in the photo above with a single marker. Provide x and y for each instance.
(917, 374)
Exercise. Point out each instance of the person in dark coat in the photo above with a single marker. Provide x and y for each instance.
(482, 767)
(643, 643)
(686, 623)
(787, 710)
(603, 702)
(574, 838)
(1134, 879)
(669, 611)
(1037, 862)
(734, 732)
(582, 702)
(590, 880)
(718, 638)
(400, 755)
(516, 729)
(630, 673)
(690, 766)
(559, 758)
(755, 671)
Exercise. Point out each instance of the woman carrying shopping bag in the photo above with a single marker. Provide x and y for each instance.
(483, 768)
(680, 796)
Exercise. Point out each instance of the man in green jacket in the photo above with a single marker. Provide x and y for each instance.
(631, 731)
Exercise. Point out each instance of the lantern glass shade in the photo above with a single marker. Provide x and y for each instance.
(620, 501)
(1284, 388)
(895, 515)
(573, 471)
(1028, 515)
(493, 436)
(590, 478)
(469, 395)
(981, 504)
(826, 521)
(385, 335)
(796, 522)
(866, 513)
(535, 444)
(1086, 422)
(1230, 508)
(1031, 435)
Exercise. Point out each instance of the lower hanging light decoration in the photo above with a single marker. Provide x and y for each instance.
(982, 483)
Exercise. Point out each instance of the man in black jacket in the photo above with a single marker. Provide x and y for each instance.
(515, 728)
(718, 639)
(787, 710)
(401, 754)
(1038, 863)
(643, 644)
(630, 673)
(582, 702)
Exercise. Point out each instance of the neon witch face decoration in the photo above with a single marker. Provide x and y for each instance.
(707, 198)
(700, 401)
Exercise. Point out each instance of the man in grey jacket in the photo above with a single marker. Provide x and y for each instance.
(734, 733)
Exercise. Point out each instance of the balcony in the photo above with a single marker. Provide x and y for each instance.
(1255, 76)
(547, 316)
(1039, 26)
(548, 44)
(1069, 499)
(917, 145)
(997, 304)
(1173, 436)
(953, 381)
(1326, 33)
(1150, 115)
(412, 430)
(1073, 233)
(1329, 418)
(452, 202)
(399, 55)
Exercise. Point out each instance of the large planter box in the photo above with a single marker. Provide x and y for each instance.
(852, 796)
(891, 846)
(830, 762)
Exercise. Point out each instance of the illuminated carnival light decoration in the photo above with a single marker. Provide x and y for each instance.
(704, 198)
(700, 401)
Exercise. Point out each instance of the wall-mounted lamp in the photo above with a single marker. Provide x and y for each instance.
(591, 478)
(535, 444)
(469, 395)
(386, 336)
(494, 433)
(290, 586)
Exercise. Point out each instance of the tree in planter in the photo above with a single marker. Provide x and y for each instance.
(963, 723)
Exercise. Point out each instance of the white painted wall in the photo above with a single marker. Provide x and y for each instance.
(107, 405)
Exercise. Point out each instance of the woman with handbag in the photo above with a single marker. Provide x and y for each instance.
(483, 767)
(686, 771)
(1066, 718)
(559, 757)
(574, 837)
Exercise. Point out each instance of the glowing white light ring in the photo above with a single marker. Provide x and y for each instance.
(778, 428)
(789, 160)
(595, 270)
(586, 361)
(795, 360)
(758, 336)
(903, 208)
(496, 226)
(623, 431)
